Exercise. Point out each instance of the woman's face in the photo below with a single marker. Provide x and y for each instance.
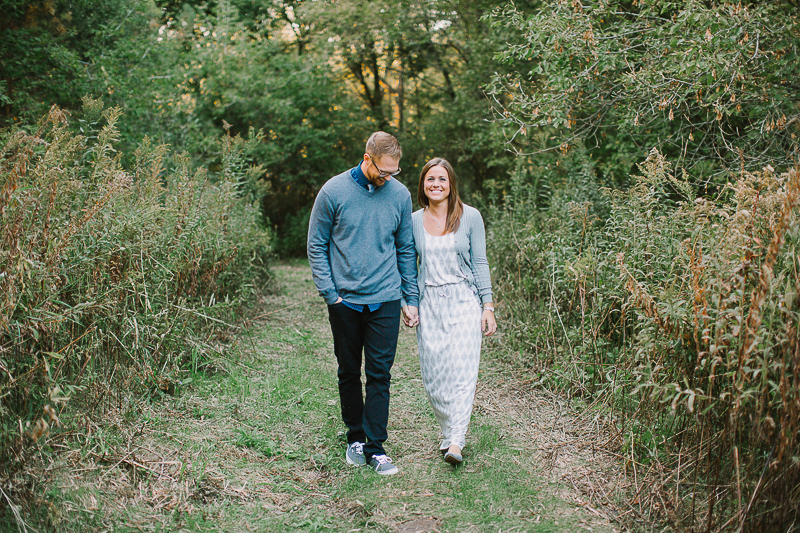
(437, 184)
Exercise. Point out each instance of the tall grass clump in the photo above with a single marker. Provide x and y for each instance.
(111, 279)
(681, 313)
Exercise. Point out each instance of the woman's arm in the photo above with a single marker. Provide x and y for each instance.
(480, 270)
(477, 253)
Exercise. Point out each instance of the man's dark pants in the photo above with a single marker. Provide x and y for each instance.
(374, 332)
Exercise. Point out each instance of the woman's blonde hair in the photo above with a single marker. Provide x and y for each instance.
(455, 207)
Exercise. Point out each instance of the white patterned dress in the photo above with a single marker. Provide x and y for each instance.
(449, 339)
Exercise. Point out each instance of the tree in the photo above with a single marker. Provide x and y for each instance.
(317, 77)
(418, 69)
(712, 84)
(51, 51)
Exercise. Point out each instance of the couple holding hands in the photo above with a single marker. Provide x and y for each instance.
(372, 261)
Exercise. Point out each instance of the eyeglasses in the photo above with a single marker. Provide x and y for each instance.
(383, 173)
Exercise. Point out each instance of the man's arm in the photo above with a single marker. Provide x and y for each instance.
(320, 227)
(407, 257)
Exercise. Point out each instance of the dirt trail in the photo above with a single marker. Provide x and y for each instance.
(253, 441)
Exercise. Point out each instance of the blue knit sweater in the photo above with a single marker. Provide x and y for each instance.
(361, 244)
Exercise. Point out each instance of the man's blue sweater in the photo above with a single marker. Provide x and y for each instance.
(361, 243)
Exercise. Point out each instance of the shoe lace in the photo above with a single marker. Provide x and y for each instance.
(382, 459)
(357, 447)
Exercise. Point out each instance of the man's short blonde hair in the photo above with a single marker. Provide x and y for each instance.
(381, 143)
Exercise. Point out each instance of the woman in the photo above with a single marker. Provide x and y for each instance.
(455, 301)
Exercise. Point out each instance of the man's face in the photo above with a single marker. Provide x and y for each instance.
(380, 169)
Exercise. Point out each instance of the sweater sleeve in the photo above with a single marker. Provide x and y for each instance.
(407, 256)
(477, 252)
(320, 226)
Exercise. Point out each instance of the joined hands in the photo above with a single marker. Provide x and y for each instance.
(410, 315)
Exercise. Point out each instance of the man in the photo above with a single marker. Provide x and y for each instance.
(361, 251)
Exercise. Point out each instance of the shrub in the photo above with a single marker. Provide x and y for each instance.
(705, 82)
(682, 312)
(108, 275)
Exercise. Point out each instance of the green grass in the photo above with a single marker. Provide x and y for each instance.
(259, 444)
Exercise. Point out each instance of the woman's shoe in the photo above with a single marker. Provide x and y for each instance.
(453, 456)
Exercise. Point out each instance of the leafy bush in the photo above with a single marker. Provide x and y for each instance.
(108, 275)
(682, 313)
(705, 82)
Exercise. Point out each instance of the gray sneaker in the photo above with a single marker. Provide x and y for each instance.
(355, 454)
(383, 465)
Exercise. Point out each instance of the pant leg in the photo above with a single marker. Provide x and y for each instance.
(347, 326)
(381, 330)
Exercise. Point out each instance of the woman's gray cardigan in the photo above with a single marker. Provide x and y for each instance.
(470, 239)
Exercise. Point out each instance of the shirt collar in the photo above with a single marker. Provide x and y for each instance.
(358, 175)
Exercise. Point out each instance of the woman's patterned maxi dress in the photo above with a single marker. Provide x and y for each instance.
(449, 339)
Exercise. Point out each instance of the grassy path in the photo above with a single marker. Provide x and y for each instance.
(254, 442)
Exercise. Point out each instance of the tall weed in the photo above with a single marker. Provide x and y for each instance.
(111, 278)
(682, 314)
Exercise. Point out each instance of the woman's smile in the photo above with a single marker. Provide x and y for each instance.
(437, 183)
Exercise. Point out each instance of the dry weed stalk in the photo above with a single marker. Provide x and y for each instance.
(694, 305)
(120, 182)
(750, 339)
(90, 264)
(740, 371)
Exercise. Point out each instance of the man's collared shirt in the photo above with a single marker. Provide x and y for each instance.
(360, 178)
(360, 307)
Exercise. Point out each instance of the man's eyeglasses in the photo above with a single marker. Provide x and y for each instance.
(383, 173)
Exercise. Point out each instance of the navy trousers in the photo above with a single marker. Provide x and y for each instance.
(373, 333)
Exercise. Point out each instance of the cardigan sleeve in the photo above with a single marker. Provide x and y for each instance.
(477, 253)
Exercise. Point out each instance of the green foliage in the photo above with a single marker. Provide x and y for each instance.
(417, 69)
(712, 85)
(252, 440)
(219, 72)
(317, 78)
(292, 241)
(109, 277)
(681, 316)
(52, 52)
